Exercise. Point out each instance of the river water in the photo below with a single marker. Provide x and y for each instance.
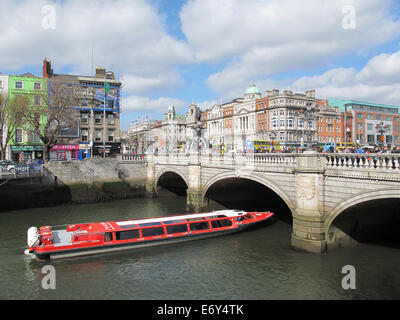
(256, 264)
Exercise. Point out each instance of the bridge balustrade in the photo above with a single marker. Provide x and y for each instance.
(327, 160)
(364, 161)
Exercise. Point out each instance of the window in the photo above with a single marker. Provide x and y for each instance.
(84, 135)
(19, 85)
(370, 126)
(97, 118)
(97, 136)
(221, 223)
(1, 84)
(110, 119)
(151, 232)
(18, 136)
(84, 103)
(37, 100)
(128, 234)
(108, 237)
(199, 226)
(37, 86)
(85, 118)
(110, 135)
(35, 138)
(359, 115)
(177, 229)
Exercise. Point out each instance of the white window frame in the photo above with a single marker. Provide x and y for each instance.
(15, 85)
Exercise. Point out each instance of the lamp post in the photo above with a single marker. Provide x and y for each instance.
(308, 116)
(381, 128)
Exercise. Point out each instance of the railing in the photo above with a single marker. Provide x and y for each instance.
(21, 171)
(387, 161)
(131, 157)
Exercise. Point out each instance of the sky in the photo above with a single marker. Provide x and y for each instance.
(175, 52)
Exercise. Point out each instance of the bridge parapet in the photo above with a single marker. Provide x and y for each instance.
(366, 161)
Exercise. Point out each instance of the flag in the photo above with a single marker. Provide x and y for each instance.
(106, 88)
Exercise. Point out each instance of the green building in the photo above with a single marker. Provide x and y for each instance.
(26, 144)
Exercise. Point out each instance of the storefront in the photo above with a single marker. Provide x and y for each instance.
(112, 149)
(84, 151)
(25, 153)
(64, 152)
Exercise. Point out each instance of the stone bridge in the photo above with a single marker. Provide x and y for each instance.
(316, 187)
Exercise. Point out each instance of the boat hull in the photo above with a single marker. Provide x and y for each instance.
(138, 245)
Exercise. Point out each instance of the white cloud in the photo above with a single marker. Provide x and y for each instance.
(382, 69)
(127, 36)
(260, 38)
(377, 82)
(162, 81)
(143, 104)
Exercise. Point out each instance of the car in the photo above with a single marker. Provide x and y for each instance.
(8, 165)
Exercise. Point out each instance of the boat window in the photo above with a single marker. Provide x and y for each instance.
(151, 232)
(129, 234)
(108, 237)
(128, 226)
(177, 229)
(249, 216)
(241, 218)
(150, 224)
(174, 221)
(221, 223)
(199, 226)
(195, 219)
(216, 217)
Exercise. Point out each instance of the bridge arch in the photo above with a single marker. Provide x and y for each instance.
(358, 199)
(173, 170)
(265, 182)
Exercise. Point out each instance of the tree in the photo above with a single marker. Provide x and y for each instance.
(54, 116)
(11, 117)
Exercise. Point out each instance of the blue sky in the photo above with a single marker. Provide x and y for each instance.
(175, 51)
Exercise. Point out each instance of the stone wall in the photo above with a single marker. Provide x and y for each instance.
(96, 180)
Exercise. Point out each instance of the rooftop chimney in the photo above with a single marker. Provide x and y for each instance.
(100, 72)
(47, 70)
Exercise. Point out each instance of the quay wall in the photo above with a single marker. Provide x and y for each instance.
(75, 182)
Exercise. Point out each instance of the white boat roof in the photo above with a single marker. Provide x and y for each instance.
(228, 213)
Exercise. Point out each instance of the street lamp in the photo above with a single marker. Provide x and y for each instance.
(381, 128)
(308, 116)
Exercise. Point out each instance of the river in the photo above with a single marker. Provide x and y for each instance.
(256, 264)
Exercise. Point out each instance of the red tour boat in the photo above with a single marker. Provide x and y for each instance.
(91, 238)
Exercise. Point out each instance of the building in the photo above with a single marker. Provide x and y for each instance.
(361, 120)
(291, 119)
(329, 124)
(97, 129)
(26, 144)
(140, 137)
